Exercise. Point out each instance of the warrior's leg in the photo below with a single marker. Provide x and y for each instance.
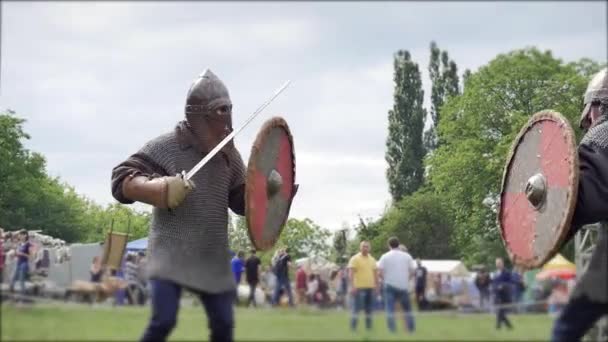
(220, 315)
(165, 297)
(576, 318)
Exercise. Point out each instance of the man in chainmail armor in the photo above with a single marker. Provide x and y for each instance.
(188, 238)
(589, 299)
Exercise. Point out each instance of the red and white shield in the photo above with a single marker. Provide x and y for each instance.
(270, 184)
(539, 190)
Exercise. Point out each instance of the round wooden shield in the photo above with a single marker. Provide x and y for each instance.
(539, 189)
(270, 183)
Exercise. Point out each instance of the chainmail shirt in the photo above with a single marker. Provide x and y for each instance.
(592, 207)
(189, 244)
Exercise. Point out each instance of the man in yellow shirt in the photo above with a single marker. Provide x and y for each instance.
(364, 286)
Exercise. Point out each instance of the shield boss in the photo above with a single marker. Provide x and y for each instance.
(539, 189)
(270, 183)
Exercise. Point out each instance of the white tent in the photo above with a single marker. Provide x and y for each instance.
(318, 265)
(454, 268)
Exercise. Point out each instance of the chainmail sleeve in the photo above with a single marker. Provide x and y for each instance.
(236, 196)
(592, 202)
(139, 164)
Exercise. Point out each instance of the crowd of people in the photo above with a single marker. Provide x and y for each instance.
(275, 282)
(24, 254)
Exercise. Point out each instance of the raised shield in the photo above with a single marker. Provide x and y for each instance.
(539, 189)
(270, 184)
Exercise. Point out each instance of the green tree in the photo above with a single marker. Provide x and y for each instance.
(238, 237)
(465, 78)
(443, 73)
(477, 129)
(404, 148)
(423, 223)
(302, 237)
(31, 199)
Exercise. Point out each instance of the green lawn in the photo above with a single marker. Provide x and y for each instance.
(127, 323)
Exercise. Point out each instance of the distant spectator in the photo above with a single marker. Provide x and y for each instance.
(135, 289)
(142, 264)
(282, 267)
(1, 255)
(301, 285)
(252, 275)
(364, 284)
(238, 264)
(269, 282)
(502, 284)
(131, 269)
(396, 269)
(96, 270)
(558, 298)
(420, 281)
(23, 254)
(321, 297)
(518, 290)
(312, 287)
(482, 282)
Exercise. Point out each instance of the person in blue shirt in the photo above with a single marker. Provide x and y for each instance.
(502, 283)
(23, 254)
(238, 265)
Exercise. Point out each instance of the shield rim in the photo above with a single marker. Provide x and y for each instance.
(566, 220)
(274, 122)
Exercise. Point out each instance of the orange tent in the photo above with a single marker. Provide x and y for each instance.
(558, 267)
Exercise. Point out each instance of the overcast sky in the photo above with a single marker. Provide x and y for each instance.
(95, 81)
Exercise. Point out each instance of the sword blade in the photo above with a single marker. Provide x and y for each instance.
(222, 143)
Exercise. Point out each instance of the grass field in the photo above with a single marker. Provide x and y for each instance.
(127, 323)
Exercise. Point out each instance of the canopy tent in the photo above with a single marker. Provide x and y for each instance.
(557, 267)
(138, 245)
(455, 268)
(558, 262)
(317, 265)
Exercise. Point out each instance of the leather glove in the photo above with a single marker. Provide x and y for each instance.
(162, 192)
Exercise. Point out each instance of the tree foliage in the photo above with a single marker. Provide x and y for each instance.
(404, 148)
(421, 221)
(302, 237)
(31, 199)
(443, 73)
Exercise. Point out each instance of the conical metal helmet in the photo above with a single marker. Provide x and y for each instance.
(597, 91)
(206, 94)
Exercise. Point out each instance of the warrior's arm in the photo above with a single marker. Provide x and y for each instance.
(138, 165)
(592, 202)
(236, 196)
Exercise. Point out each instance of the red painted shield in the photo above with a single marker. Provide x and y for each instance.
(270, 185)
(539, 189)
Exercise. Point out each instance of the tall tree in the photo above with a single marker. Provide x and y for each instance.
(465, 78)
(404, 147)
(443, 73)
